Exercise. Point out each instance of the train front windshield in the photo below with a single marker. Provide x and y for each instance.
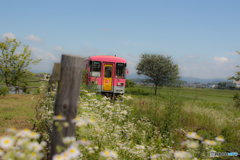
(95, 69)
(120, 70)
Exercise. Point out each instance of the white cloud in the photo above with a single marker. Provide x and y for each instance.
(191, 56)
(36, 51)
(47, 61)
(58, 48)
(9, 35)
(33, 38)
(165, 54)
(48, 55)
(220, 60)
(205, 69)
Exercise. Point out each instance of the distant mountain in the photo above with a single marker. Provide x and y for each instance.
(212, 80)
(137, 78)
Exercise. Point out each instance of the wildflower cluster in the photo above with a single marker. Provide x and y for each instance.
(110, 131)
(22, 145)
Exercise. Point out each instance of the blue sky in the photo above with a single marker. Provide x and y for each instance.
(201, 36)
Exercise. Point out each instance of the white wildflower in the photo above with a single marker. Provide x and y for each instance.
(155, 156)
(34, 146)
(91, 121)
(6, 142)
(59, 117)
(43, 143)
(12, 130)
(22, 141)
(109, 154)
(191, 134)
(220, 139)
(58, 157)
(84, 142)
(182, 155)
(92, 151)
(67, 140)
(209, 142)
(192, 145)
(33, 135)
(73, 152)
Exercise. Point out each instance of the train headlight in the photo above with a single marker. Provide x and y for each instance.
(120, 84)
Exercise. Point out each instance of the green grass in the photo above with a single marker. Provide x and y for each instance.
(211, 112)
(16, 110)
(187, 94)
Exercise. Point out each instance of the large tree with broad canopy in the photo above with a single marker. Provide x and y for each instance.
(159, 68)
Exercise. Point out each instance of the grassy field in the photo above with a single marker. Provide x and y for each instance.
(16, 110)
(32, 84)
(210, 112)
(186, 94)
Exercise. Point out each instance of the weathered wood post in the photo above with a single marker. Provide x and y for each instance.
(55, 77)
(66, 103)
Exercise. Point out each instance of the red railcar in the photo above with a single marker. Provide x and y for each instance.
(108, 72)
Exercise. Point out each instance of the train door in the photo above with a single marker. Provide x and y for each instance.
(107, 78)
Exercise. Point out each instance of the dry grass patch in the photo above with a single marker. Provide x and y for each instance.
(16, 110)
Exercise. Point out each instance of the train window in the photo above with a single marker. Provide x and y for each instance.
(95, 69)
(120, 70)
(108, 72)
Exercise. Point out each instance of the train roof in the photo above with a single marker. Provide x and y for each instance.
(107, 58)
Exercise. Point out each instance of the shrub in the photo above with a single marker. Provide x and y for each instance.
(129, 83)
(235, 98)
(4, 90)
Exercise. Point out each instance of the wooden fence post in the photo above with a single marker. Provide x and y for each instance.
(66, 103)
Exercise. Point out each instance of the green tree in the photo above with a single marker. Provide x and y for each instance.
(160, 69)
(237, 76)
(222, 84)
(14, 67)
